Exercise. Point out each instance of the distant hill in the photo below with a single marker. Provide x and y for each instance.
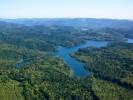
(76, 22)
(124, 27)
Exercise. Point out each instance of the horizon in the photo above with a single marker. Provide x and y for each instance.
(64, 18)
(103, 9)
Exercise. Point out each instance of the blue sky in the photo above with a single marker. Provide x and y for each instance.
(116, 9)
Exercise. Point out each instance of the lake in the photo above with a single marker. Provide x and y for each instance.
(130, 40)
(77, 66)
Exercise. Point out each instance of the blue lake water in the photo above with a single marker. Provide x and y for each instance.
(130, 40)
(77, 66)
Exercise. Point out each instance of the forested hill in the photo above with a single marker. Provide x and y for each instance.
(76, 22)
(30, 71)
(47, 36)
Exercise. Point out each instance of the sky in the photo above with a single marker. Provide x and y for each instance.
(115, 9)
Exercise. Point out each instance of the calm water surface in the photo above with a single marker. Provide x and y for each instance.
(130, 40)
(77, 66)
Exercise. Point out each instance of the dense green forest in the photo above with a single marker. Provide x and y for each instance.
(30, 71)
(44, 78)
(112, 66)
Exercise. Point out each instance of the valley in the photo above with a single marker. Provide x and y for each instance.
(54, 61)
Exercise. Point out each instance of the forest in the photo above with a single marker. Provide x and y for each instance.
(30, 71)
(111, 65)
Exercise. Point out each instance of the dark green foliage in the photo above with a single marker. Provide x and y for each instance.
(46, 77)
(114, 63)
(108, 90)
(29, 71)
